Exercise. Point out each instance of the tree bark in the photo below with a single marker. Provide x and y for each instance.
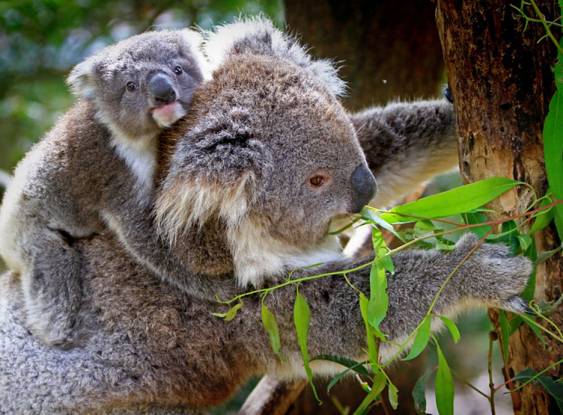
(387, 49)
(502, 80)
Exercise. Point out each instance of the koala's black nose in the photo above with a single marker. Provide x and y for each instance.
(161, 89)
(364, 187)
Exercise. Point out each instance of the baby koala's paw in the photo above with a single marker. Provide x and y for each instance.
(495, 277)
(53, 326)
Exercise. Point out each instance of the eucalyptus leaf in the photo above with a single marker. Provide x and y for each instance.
(419, 394)
(452, 328)
(444, 385)
(542, 221)
(553, 147)
(357, 367)
(552, 387)
(378, 301)
(302, 319)
(457, 200)
(376, 389)
(271, 326)
(393, 395)
(230, 314)
(372, 216)
(372, 346)
(421, 339)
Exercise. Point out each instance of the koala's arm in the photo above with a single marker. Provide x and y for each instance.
(132, 220)
(490, 277)
(406, 144)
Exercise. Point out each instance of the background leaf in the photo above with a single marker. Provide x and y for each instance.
(301, 319)
(452, 328)
(553, 144)
(419, 395)
(393, 395)
(444, 385)
(376, 389)
(271, 326)
(421, 339)
(458, 200)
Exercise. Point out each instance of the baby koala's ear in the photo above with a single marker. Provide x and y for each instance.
(82, 79)
(193, 40)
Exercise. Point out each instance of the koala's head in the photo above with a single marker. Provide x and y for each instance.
(144, 83)
(269, 150)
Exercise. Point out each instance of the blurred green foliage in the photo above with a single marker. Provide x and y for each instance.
(40, 40)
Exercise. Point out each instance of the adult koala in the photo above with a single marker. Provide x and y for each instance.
(269, 155)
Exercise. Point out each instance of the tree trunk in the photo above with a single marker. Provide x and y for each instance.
(502, 80)
(388, 49)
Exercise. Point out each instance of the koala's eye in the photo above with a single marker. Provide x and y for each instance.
(131, 86)
(318, 180)
(178, 70)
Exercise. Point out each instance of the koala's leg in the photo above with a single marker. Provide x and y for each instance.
(406, 144)
(490, 277)
(52, 287)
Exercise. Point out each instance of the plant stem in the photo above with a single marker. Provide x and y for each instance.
(490, 371)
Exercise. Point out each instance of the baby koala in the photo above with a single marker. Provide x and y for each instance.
(103, 148)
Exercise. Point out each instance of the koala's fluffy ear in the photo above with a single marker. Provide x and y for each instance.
(211, 172)
(258, 36)
(194, 41)
(82, 78)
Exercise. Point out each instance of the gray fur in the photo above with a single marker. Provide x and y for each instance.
(406, 144)
(103, 146)
(153, 347)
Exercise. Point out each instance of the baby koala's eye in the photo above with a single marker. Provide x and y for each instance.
(178, 70)
(318, 180)
(131, 86)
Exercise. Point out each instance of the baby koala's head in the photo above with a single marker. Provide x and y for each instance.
(142, 84)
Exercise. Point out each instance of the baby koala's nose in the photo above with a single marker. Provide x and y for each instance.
(363, 186)
(162, 90)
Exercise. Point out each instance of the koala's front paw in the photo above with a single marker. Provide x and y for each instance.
(492, 275)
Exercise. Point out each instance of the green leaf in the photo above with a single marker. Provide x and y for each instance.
(271, 326)
(452, 328)
(505, 331)
(393, 395)
(458, 200)
(444, 385)
(371, 216)
(378, 299)
(421, 339)
(525, 242)
(419, 394)
(302, 318)
(376, 389)
(552, 387)
(358, 368)
(553, 150)
(230, 314)
(537, 331)
(473, 218)
(372, 346)
(542, 221)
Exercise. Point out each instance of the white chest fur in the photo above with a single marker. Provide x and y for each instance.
(140, 156)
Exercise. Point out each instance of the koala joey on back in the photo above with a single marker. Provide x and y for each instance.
(255, 172)
(104, 145)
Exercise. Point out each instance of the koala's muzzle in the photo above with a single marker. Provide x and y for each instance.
(162, 89)
(363, 186)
